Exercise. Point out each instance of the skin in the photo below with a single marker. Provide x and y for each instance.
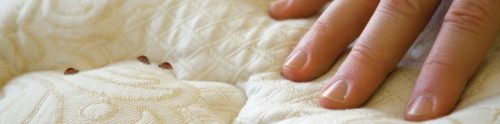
(385, 30)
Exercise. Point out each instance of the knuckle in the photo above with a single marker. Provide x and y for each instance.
(322, 25)
(468, 15)
(399, 8)
(438, 64)
(363, 53)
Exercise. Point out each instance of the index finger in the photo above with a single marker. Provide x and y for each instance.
(335, 29)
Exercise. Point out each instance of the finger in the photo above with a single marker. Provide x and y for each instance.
(391, 31)
(286, 9)
(337, 27)
(469, 28)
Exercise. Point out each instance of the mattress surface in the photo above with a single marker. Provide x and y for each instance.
(226, 57)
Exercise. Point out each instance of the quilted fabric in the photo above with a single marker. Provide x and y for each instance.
(226, 56)
(124, 92)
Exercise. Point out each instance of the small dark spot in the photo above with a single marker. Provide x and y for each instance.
(143, 59)
(165, 65)
(70, 71)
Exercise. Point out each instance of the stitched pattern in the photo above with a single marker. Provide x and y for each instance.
(51, 97)
(232, 47)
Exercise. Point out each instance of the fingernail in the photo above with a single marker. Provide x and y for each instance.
(422, 105)
(336, 92)
(296, 60)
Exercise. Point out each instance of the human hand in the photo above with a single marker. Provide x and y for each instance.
(386, 30)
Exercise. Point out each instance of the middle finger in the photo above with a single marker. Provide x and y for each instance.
(390, 32)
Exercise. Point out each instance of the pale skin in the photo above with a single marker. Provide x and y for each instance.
(385, 30)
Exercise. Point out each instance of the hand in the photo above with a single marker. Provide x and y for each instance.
(386, 30)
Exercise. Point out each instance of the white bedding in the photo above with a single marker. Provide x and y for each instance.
(226, 56)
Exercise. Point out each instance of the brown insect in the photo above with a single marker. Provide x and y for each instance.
(70, 71)
(165, 65)
(143, 59)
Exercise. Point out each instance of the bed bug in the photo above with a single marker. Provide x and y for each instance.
(165, 65)
(70, 71)
(143, 59)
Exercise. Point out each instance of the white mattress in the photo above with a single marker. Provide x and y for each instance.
(226, 56)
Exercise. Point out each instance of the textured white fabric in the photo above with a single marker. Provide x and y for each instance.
(124, 92)
(232, 47)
